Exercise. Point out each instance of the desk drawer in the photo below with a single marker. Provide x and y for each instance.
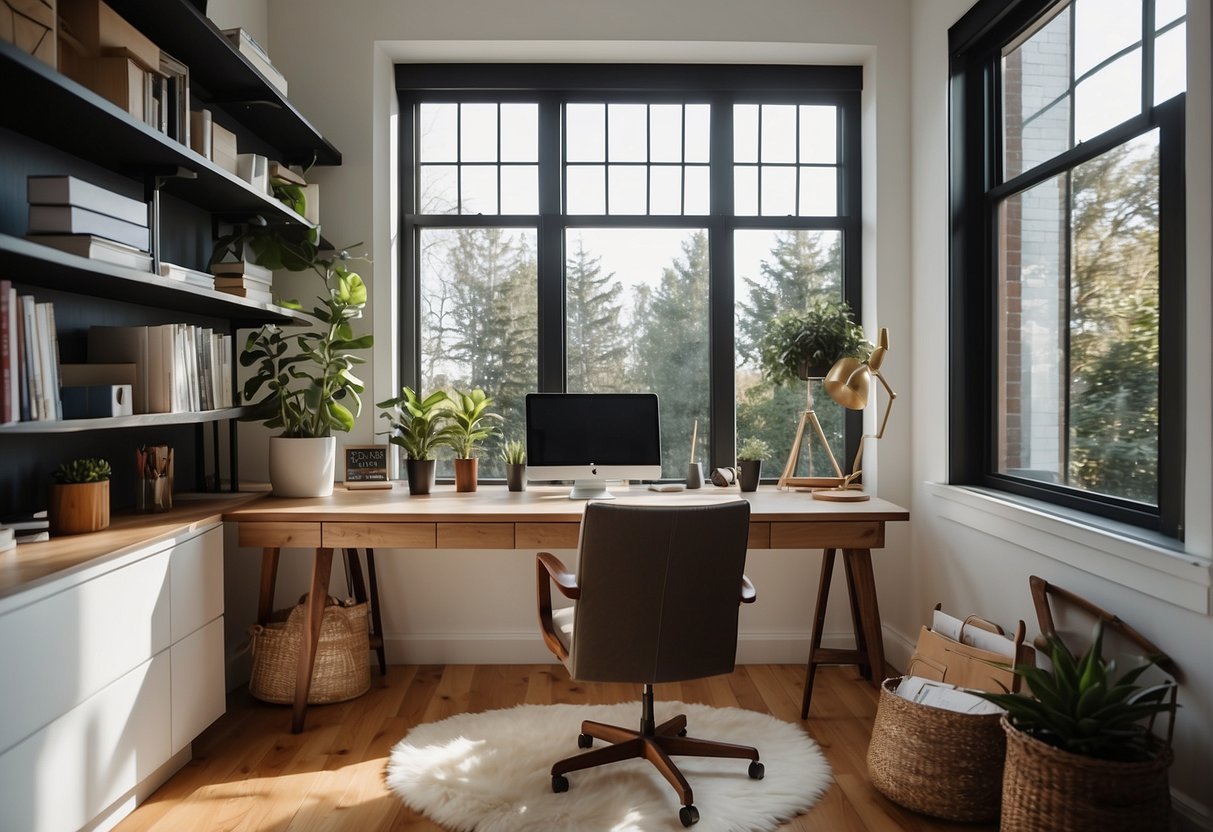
(280, 535)
(760, 536)
(475, 535)
(831, 535)
(546, 535)
(384, 535)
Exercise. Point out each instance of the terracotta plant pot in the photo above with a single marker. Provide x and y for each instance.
(515, 476)
(749, 472)
(465, 474)
(79, 507)
(421, 475)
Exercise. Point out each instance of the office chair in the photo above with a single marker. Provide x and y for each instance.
(657, 596)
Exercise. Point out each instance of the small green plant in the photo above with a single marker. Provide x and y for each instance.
(472, 422)
(514, 452)
(421, 426)
(753, 448)
(1079, 707)
(82, 470)
(816, 337)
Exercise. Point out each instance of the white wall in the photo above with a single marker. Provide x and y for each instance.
(975, 557)
(338, 58)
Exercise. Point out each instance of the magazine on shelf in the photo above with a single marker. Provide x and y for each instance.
(250, 49)
(69, 219)
(71, 190)
(191, 277)
(96, 248)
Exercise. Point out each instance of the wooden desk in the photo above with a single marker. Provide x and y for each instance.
(544, 518)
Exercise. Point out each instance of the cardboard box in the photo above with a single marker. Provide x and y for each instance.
(102, 31)
(223, 148)
(30, 26)
(96, 401)
(201, 132)
(120, 80)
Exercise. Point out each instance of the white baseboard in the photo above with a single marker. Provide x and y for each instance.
(123, 806)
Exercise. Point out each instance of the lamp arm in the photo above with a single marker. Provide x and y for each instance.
(884, 422)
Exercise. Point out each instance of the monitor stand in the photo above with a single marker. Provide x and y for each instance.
(590, 490)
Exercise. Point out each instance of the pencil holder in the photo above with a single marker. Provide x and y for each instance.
(153, 478)
(694, 475)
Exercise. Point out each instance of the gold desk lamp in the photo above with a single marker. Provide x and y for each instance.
(848, 383)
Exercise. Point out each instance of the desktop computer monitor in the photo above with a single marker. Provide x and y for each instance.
(591, 438)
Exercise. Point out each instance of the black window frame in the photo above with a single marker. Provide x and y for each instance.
(976, 188)
(552, 85)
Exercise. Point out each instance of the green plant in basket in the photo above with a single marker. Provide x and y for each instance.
(1081, 707)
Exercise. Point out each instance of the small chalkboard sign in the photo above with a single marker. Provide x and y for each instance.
(366, 466)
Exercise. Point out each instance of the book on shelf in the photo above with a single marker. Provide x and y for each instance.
(34, 537)
(242, 268)
(177, 98)
(285, 174)
(8, 352)
(242, 282)
(253, 169)
(259, 295)
(70, 219)
(132, 345)
(243, 42)
(96, 248)
(33, 521)
(70, 190)
(200, 132)
(191, 277)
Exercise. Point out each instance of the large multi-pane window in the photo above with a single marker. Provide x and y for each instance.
(1069, 246)
(614, 229)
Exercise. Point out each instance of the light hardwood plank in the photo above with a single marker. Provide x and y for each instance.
(250, 774)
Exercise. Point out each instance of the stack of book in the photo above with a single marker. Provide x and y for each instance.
(179, 368)
(33, 528)
(29, 359)
(81, 218)
(244, 280)
(243, 43)
(190, 277)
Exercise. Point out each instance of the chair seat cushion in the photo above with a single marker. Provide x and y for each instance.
(562, 620)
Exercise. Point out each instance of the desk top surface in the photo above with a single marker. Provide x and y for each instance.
(541, 504)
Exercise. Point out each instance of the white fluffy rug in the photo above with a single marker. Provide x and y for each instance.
(490, 772)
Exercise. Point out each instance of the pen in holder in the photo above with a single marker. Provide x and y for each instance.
(694, 471)
(154, 478)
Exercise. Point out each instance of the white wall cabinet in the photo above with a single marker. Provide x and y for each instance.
(109, 673)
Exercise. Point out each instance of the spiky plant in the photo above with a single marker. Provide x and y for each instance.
(1079, 707)
(513, 452)
(82, 470)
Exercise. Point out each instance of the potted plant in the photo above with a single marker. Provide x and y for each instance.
(420, 426)
(514, 456)
(80, 497)
(1080, 754)
(306, 381)
(805, 344)
(470, 417)
(749, 462)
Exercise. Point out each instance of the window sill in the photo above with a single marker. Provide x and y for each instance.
(1134, 558)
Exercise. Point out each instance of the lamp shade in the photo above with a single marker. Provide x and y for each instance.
(848, 383)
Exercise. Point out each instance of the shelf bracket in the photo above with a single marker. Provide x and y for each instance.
(153, 180)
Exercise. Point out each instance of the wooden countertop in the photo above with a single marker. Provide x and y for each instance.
(32, 564)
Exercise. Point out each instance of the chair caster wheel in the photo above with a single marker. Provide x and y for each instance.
(585, 741)
(560, 783)
(757, 770)
(689, 815)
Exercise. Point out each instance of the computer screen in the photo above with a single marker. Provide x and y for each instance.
(591, 438)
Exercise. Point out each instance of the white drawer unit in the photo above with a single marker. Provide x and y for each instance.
(110, 672)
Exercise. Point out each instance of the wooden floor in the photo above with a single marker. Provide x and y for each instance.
(250, 773)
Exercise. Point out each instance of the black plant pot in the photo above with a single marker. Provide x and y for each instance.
(421, 474)
(749, 471)
(515, 476)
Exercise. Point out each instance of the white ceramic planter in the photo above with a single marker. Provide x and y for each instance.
(302, 467)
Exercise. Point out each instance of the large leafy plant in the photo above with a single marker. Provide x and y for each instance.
(420, 426)
(306, 381)
(472, 419)
(815, 337)
(1079, 707)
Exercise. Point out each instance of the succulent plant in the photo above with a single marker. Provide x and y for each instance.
(514, 452)
(82, 470)
(1080, 708)
(753, 448)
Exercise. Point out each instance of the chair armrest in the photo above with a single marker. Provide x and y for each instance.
(565, 580)
(748, 593)
(550, 570)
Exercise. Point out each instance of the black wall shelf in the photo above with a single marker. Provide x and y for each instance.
(145, 420)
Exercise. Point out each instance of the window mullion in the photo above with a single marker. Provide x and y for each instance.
(721, 315)
(550, 242)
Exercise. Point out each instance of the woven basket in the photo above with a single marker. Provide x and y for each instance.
(342, 669)
(934, 761)
(1046, 789)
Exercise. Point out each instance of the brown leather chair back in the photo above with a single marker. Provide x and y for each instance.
(660, 587)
